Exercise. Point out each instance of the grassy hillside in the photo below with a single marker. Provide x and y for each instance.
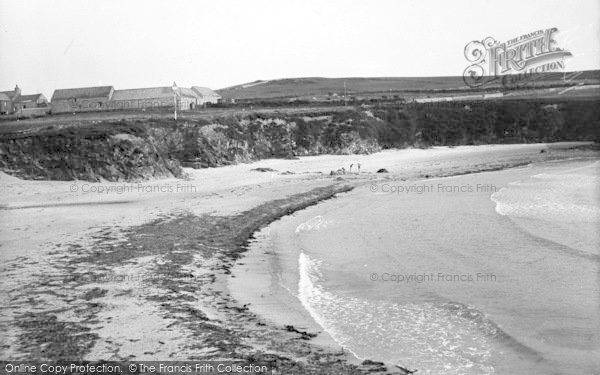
(318, 86)
(298, 87)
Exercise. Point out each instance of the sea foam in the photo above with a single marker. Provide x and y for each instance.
(562, 197)
(433, 338)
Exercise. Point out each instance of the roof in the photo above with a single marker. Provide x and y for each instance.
(141, 94)
(205, 92)
(183, 91)
(32, 97)
(83, 92)
(9, 94)
(3, 96)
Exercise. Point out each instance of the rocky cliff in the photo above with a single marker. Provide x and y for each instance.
(151, 148)
(225, 141)
(94, 152)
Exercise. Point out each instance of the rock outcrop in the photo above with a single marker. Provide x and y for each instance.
(95, 152)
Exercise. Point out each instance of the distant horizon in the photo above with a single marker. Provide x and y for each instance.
(390, 77)
(25, 92)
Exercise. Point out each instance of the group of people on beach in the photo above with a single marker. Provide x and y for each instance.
(343, 170)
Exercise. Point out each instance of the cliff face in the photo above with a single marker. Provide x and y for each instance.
(233, 140)
(113, 152)
(152, 148)
(255, 136)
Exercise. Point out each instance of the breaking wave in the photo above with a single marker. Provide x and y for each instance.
(567, 197)
(434, 338)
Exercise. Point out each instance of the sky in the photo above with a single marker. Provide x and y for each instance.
(50, 44)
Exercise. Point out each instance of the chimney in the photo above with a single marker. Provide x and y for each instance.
(17, 91)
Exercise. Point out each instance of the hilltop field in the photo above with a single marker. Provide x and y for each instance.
(318, 88)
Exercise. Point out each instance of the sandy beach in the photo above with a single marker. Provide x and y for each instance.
(157, 270)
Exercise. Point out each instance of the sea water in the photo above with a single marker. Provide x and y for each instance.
(456, 279)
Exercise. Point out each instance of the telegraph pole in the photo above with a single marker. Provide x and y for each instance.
(19, 102)
(175, 100)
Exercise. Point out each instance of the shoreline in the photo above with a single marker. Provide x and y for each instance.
(274, 260)
(183, 250)
(260, 257)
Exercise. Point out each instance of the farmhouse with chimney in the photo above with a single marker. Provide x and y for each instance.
(14, 102)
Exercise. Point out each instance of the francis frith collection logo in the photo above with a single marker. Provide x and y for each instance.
(521, 58)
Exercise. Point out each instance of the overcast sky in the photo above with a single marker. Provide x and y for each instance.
(58, 44)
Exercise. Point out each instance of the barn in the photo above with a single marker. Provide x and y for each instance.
(154, 97)
(206, 95)
(188, 99)
(81, 99)
(107, 98)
